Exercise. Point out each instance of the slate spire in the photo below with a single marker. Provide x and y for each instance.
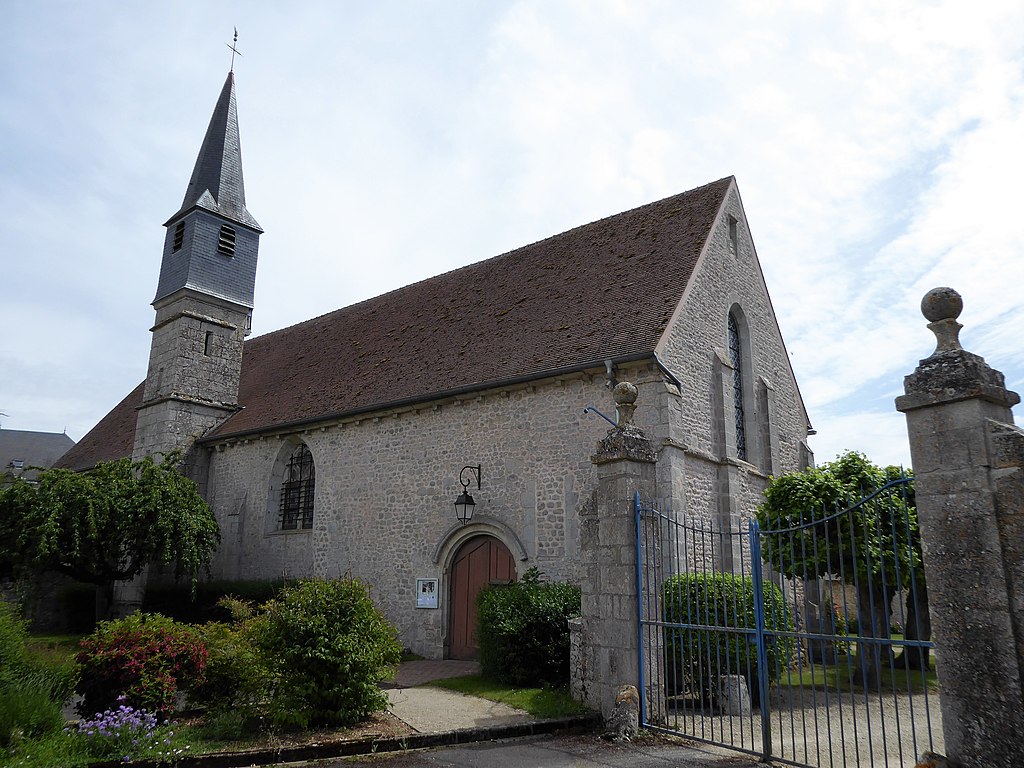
(212, 242)
(216, 184)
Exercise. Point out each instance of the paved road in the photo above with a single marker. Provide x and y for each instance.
(586, 751)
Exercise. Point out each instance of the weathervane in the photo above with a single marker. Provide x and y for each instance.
(233, 50)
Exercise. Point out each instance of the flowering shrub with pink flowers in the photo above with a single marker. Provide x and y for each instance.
(146, 658)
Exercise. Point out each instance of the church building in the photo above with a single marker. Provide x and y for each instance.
(340, 445)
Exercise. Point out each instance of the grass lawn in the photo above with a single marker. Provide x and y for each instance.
(539, 702)
(54, 649)
(846, 675)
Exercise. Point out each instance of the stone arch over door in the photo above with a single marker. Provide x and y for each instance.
(478, 562)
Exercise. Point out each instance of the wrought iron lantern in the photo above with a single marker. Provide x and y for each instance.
(464, 505)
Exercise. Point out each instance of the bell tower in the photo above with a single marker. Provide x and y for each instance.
(204, 297)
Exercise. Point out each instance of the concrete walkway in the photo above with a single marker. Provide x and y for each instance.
(485, 734)
(436, 710)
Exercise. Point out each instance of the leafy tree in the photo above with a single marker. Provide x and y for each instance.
(107, 524)
(876, 545)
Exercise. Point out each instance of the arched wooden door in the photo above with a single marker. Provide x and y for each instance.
(482, 560)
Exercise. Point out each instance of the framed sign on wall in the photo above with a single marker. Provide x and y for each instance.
(426, 593)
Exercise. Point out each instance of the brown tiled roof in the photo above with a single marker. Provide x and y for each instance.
(604, 290)
(112, 438)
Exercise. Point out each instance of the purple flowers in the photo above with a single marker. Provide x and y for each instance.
(122, 731)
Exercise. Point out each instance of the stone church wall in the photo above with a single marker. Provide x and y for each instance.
(385, 487)
(386, 483)
(696, 348)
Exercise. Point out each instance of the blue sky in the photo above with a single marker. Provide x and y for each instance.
(877, 145)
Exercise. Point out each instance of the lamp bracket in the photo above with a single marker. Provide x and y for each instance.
(473, 469)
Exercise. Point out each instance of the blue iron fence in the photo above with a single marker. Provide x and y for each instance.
(808, 645)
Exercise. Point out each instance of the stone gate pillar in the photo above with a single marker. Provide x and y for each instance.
(968, 463)
(625, 464)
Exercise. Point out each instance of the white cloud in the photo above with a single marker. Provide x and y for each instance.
(876, 146)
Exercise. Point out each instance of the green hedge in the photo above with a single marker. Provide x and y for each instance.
(696, 657)
(523, 631)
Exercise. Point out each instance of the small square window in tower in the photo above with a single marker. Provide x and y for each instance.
(226, 241)
(297, 491)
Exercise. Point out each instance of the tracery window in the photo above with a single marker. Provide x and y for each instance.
(736, 358)
(297, 491)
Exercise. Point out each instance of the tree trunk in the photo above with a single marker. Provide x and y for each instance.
(104, 601)
(919, 627)
(873, 621)
(128, 595)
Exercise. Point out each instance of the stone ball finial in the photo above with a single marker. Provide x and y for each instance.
(941, 307)
(941, 304)
(624, 393)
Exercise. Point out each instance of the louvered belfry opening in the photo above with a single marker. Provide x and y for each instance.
(226, 241)
(297, 491)
(179, 236)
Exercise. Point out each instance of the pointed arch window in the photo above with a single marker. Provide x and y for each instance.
(736, 358)
(297, 491)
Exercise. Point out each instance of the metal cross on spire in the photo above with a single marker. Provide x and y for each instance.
(234, 50)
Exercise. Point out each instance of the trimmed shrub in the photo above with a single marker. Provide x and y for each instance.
(328, 647)
(147, 658)
(699, 657)
(523, 631)
(13, 633)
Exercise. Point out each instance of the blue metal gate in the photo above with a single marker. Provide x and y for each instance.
(807, 645)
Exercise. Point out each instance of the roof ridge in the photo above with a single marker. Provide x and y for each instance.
(492, 259)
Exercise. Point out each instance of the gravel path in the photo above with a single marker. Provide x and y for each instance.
(852, 729)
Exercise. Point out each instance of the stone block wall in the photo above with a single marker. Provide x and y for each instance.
(385, 487)
(695, 347)
(196, 351)
(968, 460)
